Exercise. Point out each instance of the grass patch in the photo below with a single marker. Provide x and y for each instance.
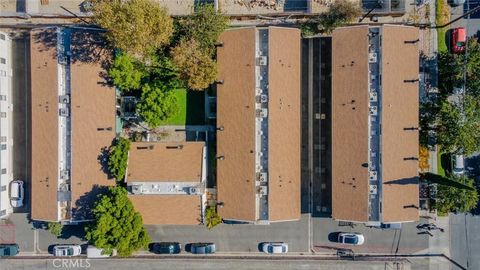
(191, 109)
(442, 16)
(441, 169)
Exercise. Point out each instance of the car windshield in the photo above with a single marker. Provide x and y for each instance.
(460, 44)
(350, 240)
(69, 251)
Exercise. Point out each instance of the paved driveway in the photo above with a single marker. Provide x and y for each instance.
(238, 237)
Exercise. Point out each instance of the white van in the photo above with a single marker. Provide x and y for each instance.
(96, 253)
(16, 193)
(458, 166)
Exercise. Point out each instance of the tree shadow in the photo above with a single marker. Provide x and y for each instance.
(102, 159)
(69, 231)
(82, 210)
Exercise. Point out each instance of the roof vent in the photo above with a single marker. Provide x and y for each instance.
(262, 61)
(136, 189)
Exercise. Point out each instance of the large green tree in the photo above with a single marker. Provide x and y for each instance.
(204, 26)
(458, 127)
(451, 198)
(197, 67)
(126, 72)
(157, 104)
(340, 13)
(134, 26)
(116, 224)
(117, 158)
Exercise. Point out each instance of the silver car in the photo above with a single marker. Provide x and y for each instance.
(351, 238)
(16, 193)
(275, 247)
(67, 250)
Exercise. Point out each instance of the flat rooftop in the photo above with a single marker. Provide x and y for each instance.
(166, 181)
(248, 146)
(75, 141)
(365, 112)
(165, 162)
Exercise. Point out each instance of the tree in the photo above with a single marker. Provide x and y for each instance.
(204, 26)
(197, 67)
(134, 26)
(451, 199)
(157, 104)
(117, 158)
(55, 228)
(212, 218)
(458, 127)
(116, 224)
(126, 72)
(340, 12)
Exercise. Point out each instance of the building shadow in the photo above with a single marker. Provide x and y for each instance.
(195, 108)
(295, 5)
(404, 181)
(69, 231)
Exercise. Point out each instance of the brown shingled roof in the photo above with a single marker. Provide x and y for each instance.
(350, 184)
(44, 114)
(165, 162)
(236, 114)
(400, 110)
(284, 124)
(92, 108)
(350, 123)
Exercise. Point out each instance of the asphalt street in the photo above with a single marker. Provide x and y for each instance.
(465, 240)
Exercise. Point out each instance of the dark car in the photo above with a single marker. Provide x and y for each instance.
(9, 250)
(202, 248)
(166, 248)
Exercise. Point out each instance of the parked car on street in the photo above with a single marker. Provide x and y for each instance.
(351, 238)
(202, 248)
(458, 164)
(275, 247)
(9, 250)
(67, 250)
(166, 248)
(16, 193)
(458, 40)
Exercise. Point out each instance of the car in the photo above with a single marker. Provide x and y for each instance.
(456, 3)
(351, 238)
(9, 250)
(97, 253)
(67, 250)
(458, 40)
(275, 247)
(166, 248)
(16, 193)
(458, 166)
(202, 248)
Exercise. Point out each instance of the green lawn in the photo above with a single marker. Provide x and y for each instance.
(191, 108)
(441, 16)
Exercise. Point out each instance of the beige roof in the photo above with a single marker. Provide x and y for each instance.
(44, 114)
(284, 124)
(92, 107)
(168, 209)
(400, 110)
(236, 114)
(350, 123)
(165, 162)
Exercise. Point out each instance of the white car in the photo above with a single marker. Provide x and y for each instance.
(458, 165)
(67, 250)
(275, 247)
(351, 238)
(16, 193)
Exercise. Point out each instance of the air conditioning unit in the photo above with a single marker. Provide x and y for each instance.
(372, 57)
(263, 112)
(373, 96)
(373, 189)
(264, 98)
(64, 174)
(373, 110)
(136, 189)
(262, 61)
(262, 177)
(263, 190)
(64, 112)
(64, 99)
(193, 190)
